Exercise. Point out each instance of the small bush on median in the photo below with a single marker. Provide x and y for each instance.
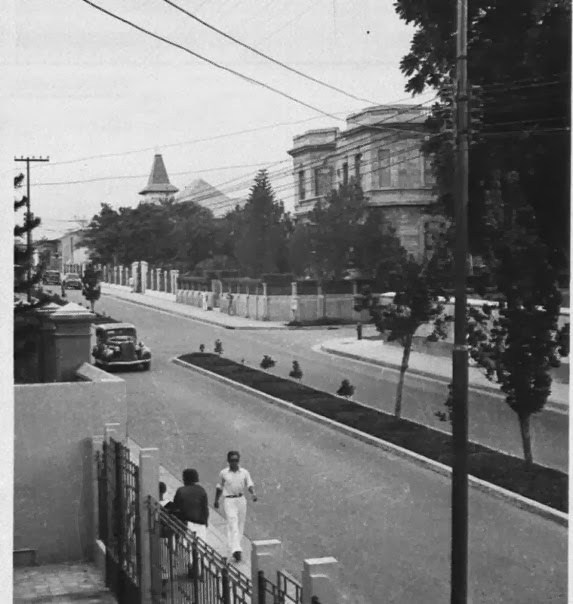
(539, 483)
(267, 362)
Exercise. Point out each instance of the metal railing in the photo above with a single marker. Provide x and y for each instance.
(118, 498)
(285, 590)
(185, 569)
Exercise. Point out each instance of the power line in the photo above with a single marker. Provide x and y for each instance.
(205, 59)
(267, 57)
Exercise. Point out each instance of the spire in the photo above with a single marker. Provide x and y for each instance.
(158, 182)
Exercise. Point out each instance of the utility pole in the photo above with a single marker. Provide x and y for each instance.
(28, 218)
(459, 549)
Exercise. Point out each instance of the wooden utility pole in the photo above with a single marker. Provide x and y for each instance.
(459, 546)
(28, 218)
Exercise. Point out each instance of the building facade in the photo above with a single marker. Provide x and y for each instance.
(381, 150)
(71, 249)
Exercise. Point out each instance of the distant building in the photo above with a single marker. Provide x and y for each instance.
(381, 150)
(206, 195)
(49, 255)
(72, 249)
(158, 186)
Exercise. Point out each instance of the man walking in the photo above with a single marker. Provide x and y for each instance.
(233, 483)
(191, 505)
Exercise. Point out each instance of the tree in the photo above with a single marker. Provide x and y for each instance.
(518, 345)
(296, 371)
(268, 362)
(261, 240)
(26, 276)
(519, 67)
(419, 298)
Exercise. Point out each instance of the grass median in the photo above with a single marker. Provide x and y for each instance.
(541, 484)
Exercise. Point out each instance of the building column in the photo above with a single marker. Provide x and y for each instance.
(318, 579)
(150, 553)
(266, 557)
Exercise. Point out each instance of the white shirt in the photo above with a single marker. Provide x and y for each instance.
(234, 483)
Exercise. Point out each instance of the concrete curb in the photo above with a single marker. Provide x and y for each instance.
(555, 406)
(513, 498)
(198, 319)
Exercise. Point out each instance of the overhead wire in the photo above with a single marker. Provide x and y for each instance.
(266, 56)
(209, 61)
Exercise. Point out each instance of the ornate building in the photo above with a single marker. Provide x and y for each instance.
(381, 150)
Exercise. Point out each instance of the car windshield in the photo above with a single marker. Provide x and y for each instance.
(53, 273)
(72, 276)
(121, 331)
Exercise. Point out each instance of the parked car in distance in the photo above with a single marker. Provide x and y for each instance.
(72, 281)
(117, 346)
(52, 278)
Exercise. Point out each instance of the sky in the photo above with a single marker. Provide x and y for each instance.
(100, 98)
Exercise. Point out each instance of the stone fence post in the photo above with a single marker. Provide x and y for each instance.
(294, 301)
(150, 564)
(173, 276)
(265, 556)
(144, 268)
(157, 279)
(318, 578)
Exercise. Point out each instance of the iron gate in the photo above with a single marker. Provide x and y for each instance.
(119, 521)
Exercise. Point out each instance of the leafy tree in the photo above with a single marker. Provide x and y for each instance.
(419, 296)
(519, 67)
(25, 275)
(218, 347)
(104, 236)
(261, 241)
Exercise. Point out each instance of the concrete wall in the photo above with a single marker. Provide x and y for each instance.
(53, 425)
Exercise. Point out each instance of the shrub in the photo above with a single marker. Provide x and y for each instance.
(218, 347)
(296, 372)
(267, 362)
(201, 347)
(346, 389)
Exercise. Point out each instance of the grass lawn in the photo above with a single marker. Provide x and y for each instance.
(541, 484)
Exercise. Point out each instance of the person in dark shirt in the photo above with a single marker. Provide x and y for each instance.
(192, 505)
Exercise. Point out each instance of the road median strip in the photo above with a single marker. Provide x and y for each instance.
(398, 436)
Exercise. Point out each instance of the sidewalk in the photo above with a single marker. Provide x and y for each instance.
(216, 532)
(62, 583)
(162, 302)
(431, 366)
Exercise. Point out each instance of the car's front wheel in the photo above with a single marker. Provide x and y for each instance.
(146, 366)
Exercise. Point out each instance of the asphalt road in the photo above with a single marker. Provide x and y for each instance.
(321, 493)
(491, 421)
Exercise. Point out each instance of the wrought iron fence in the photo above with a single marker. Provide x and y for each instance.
(118, 488)
(187, 570)
(286, 589)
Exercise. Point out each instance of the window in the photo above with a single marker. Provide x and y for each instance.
(408, 170)
(317, 182)
(384, 176)
(357, 161)
(429, 179)
(345, 173)
(301, 191)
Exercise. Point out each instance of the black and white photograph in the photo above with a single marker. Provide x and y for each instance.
(291, 301)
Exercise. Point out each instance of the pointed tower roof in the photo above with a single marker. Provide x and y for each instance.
(158, 181)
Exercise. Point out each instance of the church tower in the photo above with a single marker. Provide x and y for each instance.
(158, 186)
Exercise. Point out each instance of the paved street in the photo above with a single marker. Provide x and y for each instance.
(385, 519)
(492, 423)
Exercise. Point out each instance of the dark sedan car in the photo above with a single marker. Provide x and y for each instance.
(52, 278)
(118, 346)
(72, 281)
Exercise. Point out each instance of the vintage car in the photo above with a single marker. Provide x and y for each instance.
(72, 281)
(117, 346)
(52, 278)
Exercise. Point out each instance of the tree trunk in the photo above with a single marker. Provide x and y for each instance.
(524, 424)
(403, 369)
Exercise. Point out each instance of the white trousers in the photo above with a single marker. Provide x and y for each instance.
(199, 529)
(235, 512)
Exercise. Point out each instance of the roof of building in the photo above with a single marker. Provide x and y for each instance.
(206, 195)
(158, 181)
